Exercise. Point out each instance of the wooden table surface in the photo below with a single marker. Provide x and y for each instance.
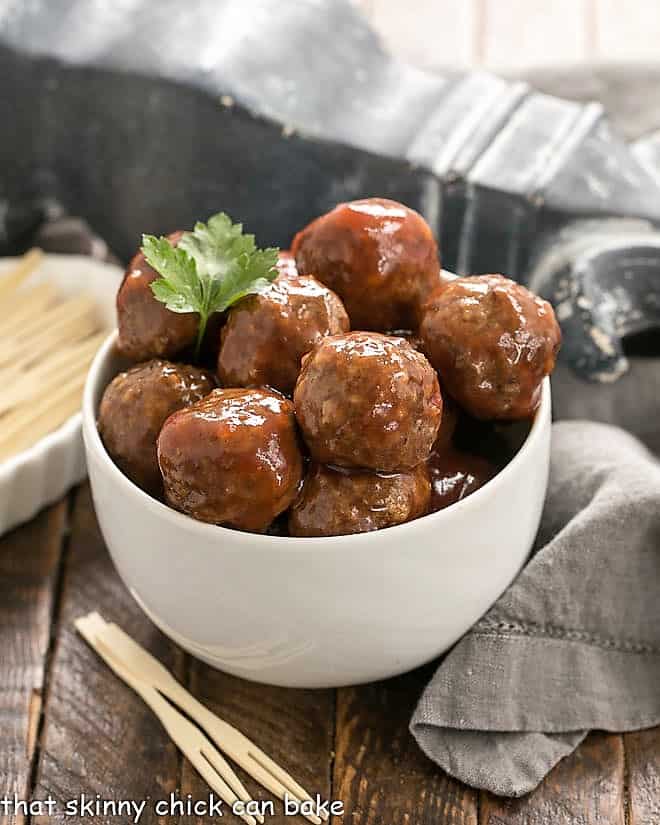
(68, 726)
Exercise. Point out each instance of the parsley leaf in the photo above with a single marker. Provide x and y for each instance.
(178, 287)
(211, 268)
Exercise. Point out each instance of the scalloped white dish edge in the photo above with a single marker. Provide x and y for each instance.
(42, 474)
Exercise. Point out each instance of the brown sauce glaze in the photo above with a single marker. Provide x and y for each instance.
(233, 458)
(266, 335)
(368, 401)
(335, 501)
(134, 407)
(455, 475)
(492, 342)
(379, 256)
(286, 263)
(147, 329)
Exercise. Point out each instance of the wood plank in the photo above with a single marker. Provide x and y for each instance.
(435, 34)
(294, 727)
(98, 736)
(643, 763)
(380, 773)
(29, 560)
(627, 30)
(585, 788)
(521, 34)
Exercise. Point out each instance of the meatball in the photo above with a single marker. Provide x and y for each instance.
(266, 335)
(135, 405)
(380, 258)
(454, 475)
(369, 401)
(147, 329)
(286, 263)
(448, 424)
(336, 502)
(446, 278)
(492, 342)
(232, 458)
(410, 336)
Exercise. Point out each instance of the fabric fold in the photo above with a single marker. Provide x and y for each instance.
(574, 643)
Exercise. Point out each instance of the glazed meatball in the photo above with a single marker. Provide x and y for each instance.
(147, 329)
(446, 278)
(233, 458)
(492, 342)
(135, 405)
(380, 258)
(448, 424)
(286, 263)
(455, 475)
(337, 502)
(409, 335)
(369, 401)
(266, 335)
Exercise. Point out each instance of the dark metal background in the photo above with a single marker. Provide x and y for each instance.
(133, 124)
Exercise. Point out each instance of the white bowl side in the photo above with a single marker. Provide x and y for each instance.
(324, 611)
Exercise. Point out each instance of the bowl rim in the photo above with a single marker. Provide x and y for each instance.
(93, 443)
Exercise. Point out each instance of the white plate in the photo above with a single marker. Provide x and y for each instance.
(43, 473)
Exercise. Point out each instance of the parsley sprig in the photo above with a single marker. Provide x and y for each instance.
(210, 269)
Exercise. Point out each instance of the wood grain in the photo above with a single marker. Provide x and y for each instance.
(351, 745)
(380, 773)
(294, 727)
(29, 559)
(643, 764)
(585, 788)
(99, 737)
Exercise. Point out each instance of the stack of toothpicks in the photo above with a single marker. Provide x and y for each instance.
(46, 346)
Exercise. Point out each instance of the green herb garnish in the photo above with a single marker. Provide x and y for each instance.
(210, 269)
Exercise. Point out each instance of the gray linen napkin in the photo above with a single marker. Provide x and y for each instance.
(574, 643)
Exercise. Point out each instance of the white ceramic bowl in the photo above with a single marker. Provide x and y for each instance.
(317, 612)
(42, 474)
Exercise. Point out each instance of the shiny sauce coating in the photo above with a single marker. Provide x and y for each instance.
(134, 407)
(233, 458)
(368, 401)
(379, 256)
(492, 343)
(266, 335)
(455, 475)
(147, 329)
(336, 501)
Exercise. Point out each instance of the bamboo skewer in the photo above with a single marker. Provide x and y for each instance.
(46, 346)
(49, 374)
(25, 267)
(28, 361)
(33, 302)
(23, 421)
(70, 321)
(29, 436)
(144, 673)
(190, 740)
